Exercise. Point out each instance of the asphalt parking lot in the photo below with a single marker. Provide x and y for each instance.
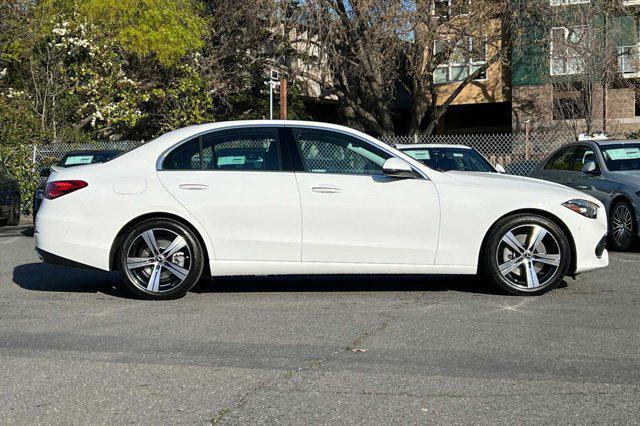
(76, 349)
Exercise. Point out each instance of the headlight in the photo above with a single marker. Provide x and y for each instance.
(583, 207)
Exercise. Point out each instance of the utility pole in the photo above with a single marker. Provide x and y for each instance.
(283, 99)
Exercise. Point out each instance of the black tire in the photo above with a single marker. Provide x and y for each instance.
(623, 228)
(176, 273)
(14, 211)
(530, 266)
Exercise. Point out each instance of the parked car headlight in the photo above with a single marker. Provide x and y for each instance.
(583, 207)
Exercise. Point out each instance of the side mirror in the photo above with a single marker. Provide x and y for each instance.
(398, 168)
(590, 168)
(500, 168)
(45, 172)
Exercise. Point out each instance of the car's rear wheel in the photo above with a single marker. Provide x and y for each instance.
(622, 226)
(160, 259)
(526, 254)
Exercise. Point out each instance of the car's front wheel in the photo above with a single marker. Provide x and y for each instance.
(160, 259)
(622, 226)
(526, 254)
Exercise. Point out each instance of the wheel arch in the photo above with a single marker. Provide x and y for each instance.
(617, 199)
(115, 245)
(555, 219)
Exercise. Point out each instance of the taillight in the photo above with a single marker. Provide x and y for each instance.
(62, 187)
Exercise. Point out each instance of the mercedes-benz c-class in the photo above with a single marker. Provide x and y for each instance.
(287, 197)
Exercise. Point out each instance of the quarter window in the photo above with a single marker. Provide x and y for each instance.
(184, 157)
(332, 152)
(562, 160)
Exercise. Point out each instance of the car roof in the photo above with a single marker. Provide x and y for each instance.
(430, 145)
(616, 142)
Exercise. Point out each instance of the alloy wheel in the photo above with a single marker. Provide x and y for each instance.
(158, 260)
(622, 225)
(528, 257)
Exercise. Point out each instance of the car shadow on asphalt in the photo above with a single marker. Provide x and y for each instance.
(52, 278)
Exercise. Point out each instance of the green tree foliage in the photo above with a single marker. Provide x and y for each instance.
(82, 70)
(165, 29)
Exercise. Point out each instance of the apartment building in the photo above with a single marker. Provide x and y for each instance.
(579, 70)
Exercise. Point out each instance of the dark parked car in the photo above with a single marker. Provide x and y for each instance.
(10, 201)
(72, 159)
(609, 171)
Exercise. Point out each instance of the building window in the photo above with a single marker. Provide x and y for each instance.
(570, 102)
(445, 9)
(566, 2)
(564, 50)
(466, 58)
(628, 57)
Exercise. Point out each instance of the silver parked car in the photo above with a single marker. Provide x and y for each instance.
(609, 171)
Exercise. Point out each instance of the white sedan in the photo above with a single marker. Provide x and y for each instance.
(286, 197)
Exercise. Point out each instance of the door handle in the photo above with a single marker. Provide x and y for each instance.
(193, 186)
(326, 189)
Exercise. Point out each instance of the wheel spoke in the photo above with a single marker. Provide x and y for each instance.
(535, 238)
(513, 242)
(154, 279)
(176, 270)
(139, 262)
(532, 277)
(175, 246)
(508, 267)
(150, 239)
(549, 259)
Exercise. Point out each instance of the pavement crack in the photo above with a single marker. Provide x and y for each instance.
(241, 400)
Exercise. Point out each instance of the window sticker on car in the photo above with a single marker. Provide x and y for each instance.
(624, 153)
(458, 155)
(419, 155)
(80, 159)
(232, 160)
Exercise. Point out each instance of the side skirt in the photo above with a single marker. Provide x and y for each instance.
(239, 267)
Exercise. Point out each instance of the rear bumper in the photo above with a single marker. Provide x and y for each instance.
(53, 259)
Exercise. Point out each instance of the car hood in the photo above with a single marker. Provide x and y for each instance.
(629, 177)
(518, 183)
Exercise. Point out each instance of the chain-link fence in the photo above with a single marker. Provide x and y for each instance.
(54, 152)
(518, 153)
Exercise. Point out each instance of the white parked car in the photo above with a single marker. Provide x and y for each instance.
(286, 197)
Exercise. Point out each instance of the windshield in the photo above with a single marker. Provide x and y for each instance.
(78, 159)
(445, 159)
(622, 157)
